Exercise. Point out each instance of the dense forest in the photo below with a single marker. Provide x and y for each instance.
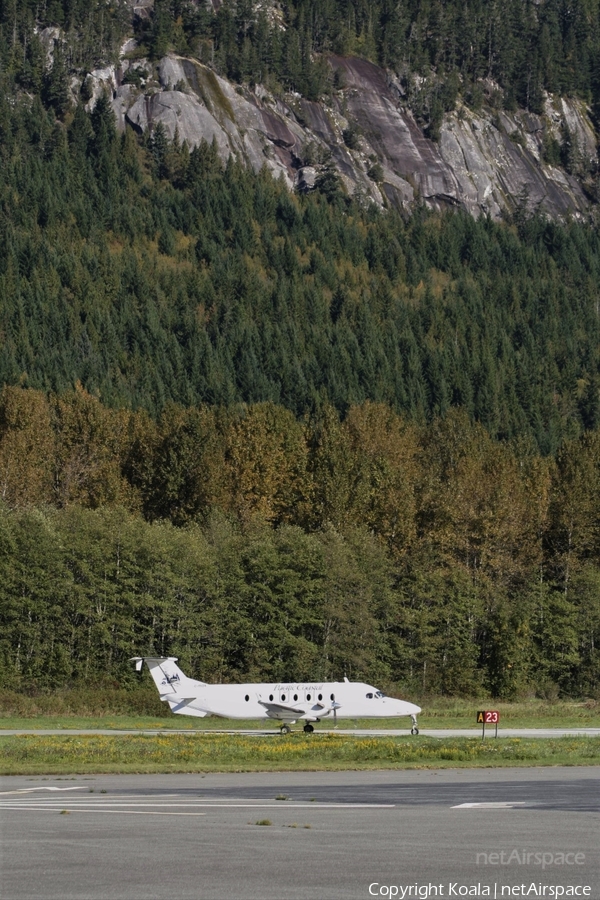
(282, 435)
(427, 558)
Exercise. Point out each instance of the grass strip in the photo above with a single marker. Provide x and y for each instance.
(79, 754)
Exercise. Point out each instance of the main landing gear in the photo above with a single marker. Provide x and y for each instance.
(285, 729)
(414, 729)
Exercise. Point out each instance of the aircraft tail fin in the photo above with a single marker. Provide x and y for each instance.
(167, 676)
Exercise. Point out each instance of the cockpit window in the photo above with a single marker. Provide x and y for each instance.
(379, 694)
(369, 696)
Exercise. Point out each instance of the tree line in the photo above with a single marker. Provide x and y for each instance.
(258, 546)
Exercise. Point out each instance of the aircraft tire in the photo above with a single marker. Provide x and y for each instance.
(308, 728)
(414, 730)
(285, 729)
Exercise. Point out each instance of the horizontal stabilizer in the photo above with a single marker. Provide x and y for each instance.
(177, 703)
(182, 706)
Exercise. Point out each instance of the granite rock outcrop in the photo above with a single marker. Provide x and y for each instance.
(485, 162)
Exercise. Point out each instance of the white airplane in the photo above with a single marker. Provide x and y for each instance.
(288, 702)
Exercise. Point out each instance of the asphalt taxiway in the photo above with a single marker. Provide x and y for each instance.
(331, 834)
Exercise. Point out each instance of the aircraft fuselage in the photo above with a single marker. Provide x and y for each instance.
(310, 700)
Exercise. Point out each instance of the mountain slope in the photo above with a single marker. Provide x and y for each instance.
(486, 162)
(489, 108)
(167, 264)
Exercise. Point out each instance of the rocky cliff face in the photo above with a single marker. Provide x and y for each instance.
(486, 162)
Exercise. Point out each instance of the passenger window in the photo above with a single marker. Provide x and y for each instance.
(247, 697)
(369, 696)
(295, 696)
(308, 696)
(320, 696)
(283, 696)
(332, 697)
(271, 697)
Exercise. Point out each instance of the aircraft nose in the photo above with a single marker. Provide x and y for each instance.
(406, 709)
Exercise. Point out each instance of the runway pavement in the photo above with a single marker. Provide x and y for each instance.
(332, 835)
(363, 732)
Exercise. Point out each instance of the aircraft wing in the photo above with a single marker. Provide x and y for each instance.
(279, 710)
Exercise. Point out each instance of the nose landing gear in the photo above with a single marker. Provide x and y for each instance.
(414, 729)
(284, 729)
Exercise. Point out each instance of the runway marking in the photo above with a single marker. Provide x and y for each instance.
(100, 805)
(123, 812)
(114, 805)
(30, 790)
(102, 795)
(510, 804)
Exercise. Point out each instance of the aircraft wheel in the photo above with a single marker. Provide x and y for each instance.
(308, 728)
(285, 729)
(414, 730)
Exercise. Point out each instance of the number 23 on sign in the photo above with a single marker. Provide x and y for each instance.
(488, 717)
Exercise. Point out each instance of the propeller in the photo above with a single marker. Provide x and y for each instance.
(335, 706)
